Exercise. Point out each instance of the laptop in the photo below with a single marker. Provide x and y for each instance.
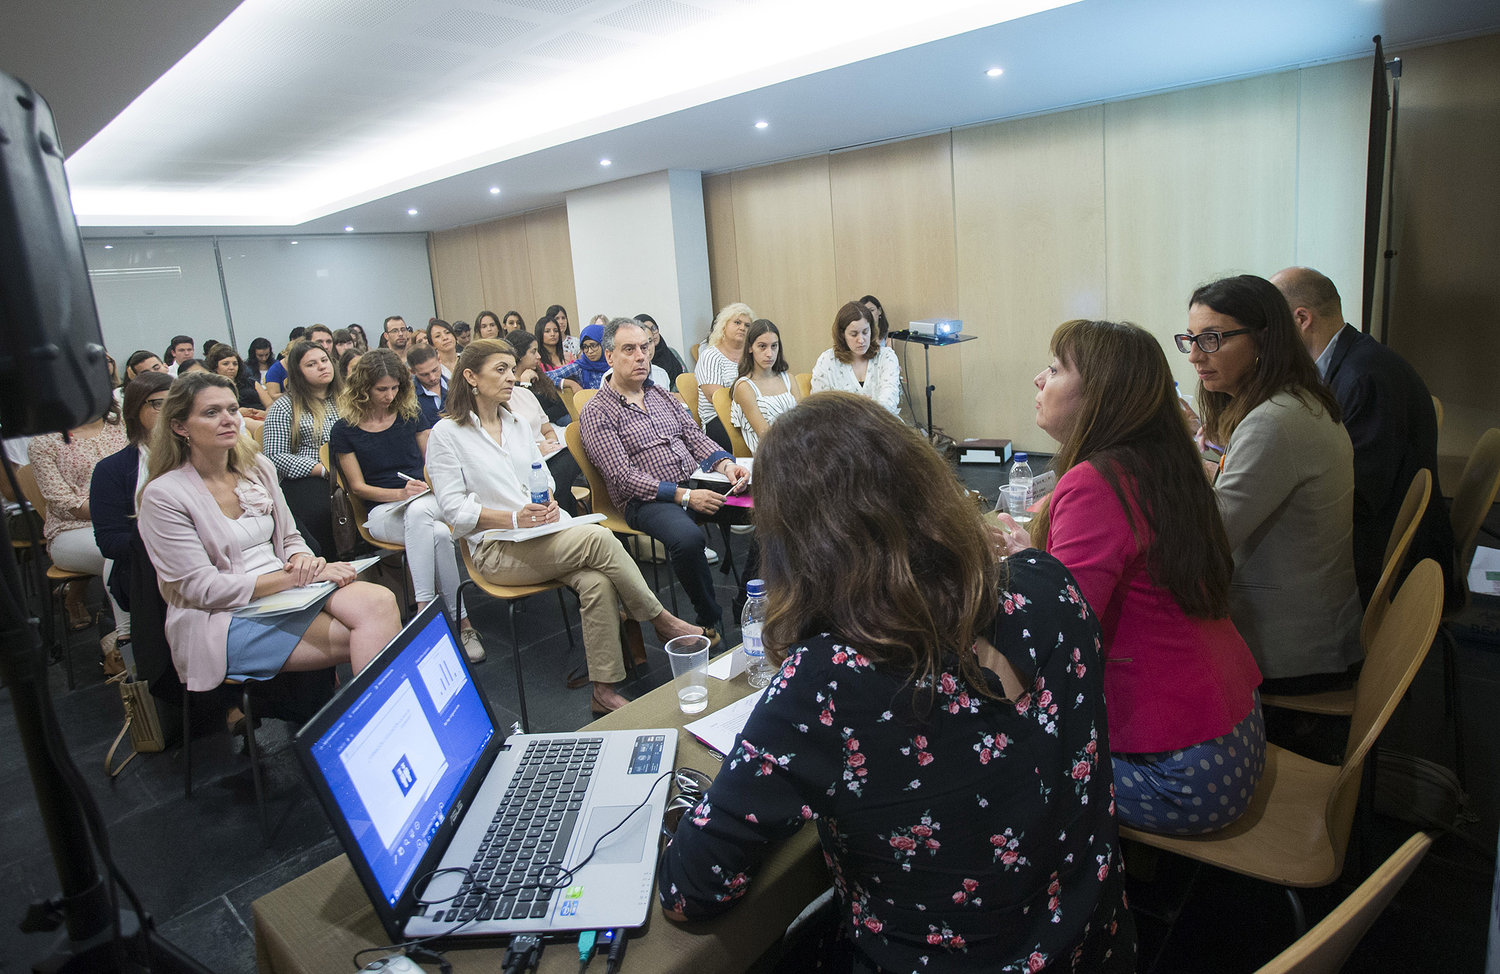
(412, 771)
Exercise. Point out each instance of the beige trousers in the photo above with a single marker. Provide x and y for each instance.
(592, 563)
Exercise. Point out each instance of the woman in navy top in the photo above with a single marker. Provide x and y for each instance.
(380, 446)
(939, 716)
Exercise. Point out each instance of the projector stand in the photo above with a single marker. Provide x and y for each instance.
(928, 342)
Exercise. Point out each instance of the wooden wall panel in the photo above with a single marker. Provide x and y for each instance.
(551, 258)
(1445, 302)
(723, 266)
(456, 284)
(893, 237)
(1198, 184)
(1029, 197)
(783, 229)
(505, 267)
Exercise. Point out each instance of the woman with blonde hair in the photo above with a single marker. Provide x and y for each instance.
(1135, 522)
(940, 717)
(856, 362)
(480, 458)
(380, 446)
(718, 365)
(297, 426)
(220, 534)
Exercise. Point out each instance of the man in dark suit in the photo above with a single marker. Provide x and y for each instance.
(1390, 418)
(427, 378)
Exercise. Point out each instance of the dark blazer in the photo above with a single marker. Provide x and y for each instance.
(112, 510)
(1391, 421)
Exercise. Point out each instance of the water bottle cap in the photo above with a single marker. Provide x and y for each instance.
(1020, 457)
(535, 464)
(755, 588)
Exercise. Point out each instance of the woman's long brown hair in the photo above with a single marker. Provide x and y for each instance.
(866, 533)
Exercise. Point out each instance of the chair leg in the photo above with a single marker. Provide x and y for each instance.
(1299, 916)
(60, 631)
(567, 623)
(515, 643)
(255, 772)
(1452, 705)
(187, 742)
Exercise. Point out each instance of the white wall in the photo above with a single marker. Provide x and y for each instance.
(149, 289)
(641, 245)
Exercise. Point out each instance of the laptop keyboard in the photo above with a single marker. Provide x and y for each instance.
(521, 854)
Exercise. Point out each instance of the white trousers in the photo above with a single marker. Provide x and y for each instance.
(76, 551)
(429, 547)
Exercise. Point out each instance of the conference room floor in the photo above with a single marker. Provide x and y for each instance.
(198, 863)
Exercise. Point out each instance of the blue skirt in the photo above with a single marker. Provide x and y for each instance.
(258, 647)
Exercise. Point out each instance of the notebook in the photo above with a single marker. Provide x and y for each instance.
(412, 770)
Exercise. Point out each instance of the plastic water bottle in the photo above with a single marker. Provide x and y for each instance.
(1020, 476)
(751, 618)
(538, 482)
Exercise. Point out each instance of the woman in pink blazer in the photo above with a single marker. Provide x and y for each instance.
(220, 534)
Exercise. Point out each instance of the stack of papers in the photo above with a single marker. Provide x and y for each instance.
(562, 523)
(720, 729)
(295, 599)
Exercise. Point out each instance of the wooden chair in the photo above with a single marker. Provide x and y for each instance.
(614, 520)
(361, 514)
(258, 434)
(510, 595)
(687, 388)
(736, 438)
(1296, 831)
(1472, 500)
(804, 384)
(57, 578)
(20, 542)
(246, 690)
(1325, 948)
(1341, 702)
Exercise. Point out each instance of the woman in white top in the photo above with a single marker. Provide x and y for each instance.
(764, 389)
(479, 459)
(855, 363)
(718, 366)
(440, 336)
(526, 402)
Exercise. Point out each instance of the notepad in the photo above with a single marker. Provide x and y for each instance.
(563, 522)
(720, 729)
(295, 599)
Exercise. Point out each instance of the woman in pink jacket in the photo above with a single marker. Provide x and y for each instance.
(220, 534)
(1135, 521)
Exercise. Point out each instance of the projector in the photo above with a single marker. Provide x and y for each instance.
(936, 327)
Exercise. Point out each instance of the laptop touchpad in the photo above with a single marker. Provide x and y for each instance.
(626, 844)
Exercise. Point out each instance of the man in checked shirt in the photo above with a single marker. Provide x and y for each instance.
(646, 446)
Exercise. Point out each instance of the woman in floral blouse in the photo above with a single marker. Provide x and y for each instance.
(941, 720)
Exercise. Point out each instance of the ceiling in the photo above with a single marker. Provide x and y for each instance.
(317, 115)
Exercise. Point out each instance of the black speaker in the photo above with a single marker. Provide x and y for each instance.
(52, 371)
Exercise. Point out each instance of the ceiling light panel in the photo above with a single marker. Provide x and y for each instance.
(376, 97)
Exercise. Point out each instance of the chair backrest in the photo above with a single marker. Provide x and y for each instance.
(687, 388)
(1473, 497)
(581, 398)
(1325, 948)
(1400, 646)
(26, 478)
(568, 400)
(1405, 528)
(736, 439)
(600, 500)
(1437, 408)
(5, 490)
(804, 384)
(694, 349)
(258, 434)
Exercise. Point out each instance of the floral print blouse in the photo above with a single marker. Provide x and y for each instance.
(964, 832)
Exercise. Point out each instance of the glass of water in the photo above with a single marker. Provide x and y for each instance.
(1014, 498)
(689, 656)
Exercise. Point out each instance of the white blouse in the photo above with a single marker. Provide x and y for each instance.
(715, 369)
(469, 471)
(771, 406)
(882, 378)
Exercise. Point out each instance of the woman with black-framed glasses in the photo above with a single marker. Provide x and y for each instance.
(1285, 485)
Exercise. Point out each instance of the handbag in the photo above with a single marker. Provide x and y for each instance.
(346, 536)
(141, 722)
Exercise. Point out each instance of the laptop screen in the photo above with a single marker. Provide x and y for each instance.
(397, 758)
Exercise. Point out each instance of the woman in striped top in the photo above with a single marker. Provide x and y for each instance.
(297, 425)
(764, 389)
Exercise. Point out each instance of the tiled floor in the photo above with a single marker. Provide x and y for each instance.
(198, 863)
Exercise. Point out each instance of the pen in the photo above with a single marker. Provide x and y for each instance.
(410, 480)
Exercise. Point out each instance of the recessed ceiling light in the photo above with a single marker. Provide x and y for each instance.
(411, 212)
(294, 243)
(762, 124)
(995, 72)
(604, 162)
(494, 190)
(109, 246)
(348, 229)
